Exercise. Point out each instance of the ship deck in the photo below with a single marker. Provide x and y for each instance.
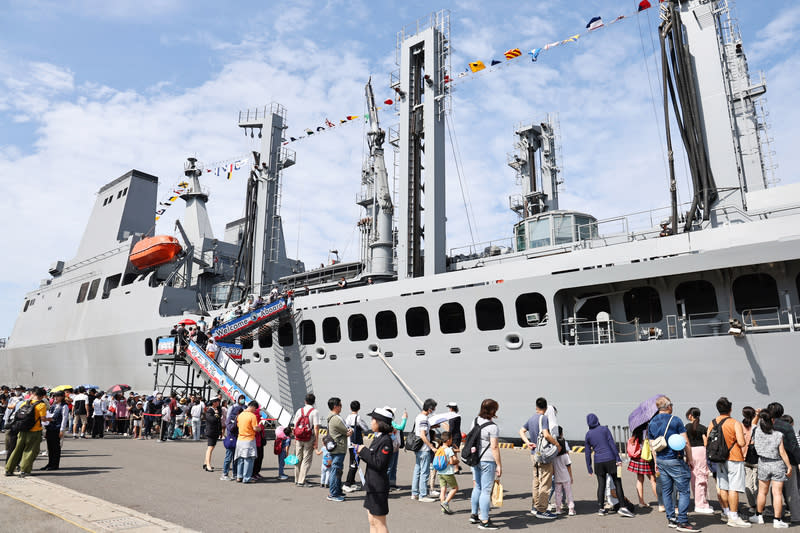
(159, 485)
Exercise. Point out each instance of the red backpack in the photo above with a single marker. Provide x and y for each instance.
(634, 448)
(302, 429)
(278, 448)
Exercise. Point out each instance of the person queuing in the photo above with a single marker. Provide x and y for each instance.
(422, 460)
(213, 416)
(774, 469)
(606, 461)
(58, 415)
(28, 439)
(489, 466)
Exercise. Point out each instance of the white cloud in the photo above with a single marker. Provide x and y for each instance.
(778, 34)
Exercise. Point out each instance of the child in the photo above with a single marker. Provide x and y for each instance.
(325, 469)
(283, 435)
(562, 476)
(448, 486)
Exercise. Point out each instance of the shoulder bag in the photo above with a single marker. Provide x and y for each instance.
(660, 443)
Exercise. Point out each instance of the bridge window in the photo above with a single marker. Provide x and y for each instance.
(307, 332)
(148, 346)
(129, 278)
(357, 328)
(285, 334)
(451, 318)
(489, 312)
(111, 283)
(418, 323)
(386, 325)
(27, 304)
(531, 309)
(331, 332)
(93, 289)
(265, 338)
(698, 297)
(593, 305)
(82, 292)
(642, 303)
(755, 291)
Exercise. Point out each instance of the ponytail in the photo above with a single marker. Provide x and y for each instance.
(765, 422)
(695, 413)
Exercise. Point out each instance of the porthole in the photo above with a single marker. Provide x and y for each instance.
(513, 341)
(320, 351)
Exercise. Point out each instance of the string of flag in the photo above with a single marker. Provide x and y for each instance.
(175, 192)
(594, 24)
(329, 125)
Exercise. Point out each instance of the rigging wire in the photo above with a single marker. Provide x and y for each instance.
(457, 158)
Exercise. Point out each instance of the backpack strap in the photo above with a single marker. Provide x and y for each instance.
(668, 423)
(479, 436)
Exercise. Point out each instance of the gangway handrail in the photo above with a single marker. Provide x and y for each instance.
(232, 387)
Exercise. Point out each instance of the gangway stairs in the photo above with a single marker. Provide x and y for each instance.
(249, 321)
(233, 380)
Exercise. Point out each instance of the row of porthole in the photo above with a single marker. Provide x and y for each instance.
(512, 342)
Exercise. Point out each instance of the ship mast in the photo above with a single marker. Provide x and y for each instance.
(376, 228)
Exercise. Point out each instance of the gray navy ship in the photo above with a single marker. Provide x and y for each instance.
(695, 301)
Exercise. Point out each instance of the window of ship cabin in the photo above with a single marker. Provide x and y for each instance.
(82, 292)
(592, 306)
(698, 297)
(755, 291)
(119, 195)
(265, 338)
(451, 318)
(642, 303)
(105, 201)
(307, 332)
(531, 310)
(129, 278)
(539, 233)
(331, 332)
(357, 328)
(125, 191)
(418, 323)
(27, 304)
(489, 313)
(148, 346)
(585, 227)
(246, 342)
(111, 283)
(93, 289)
(285, 335)
(386, 325)
(519, 230)
(563, 229)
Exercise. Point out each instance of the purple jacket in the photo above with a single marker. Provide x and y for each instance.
(599, 439)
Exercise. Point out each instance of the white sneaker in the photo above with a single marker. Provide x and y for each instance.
(704, 510)
(435, 493)
(428, 499)
(738, 522)
(779, 524)
(348, 488)
(756, 519)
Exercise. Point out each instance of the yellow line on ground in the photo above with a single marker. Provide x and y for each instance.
(48, 512)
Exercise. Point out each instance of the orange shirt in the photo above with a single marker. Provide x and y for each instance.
(729, 432)
(247, 423)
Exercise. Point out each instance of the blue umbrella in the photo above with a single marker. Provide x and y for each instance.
(642, 414)
(90, 386)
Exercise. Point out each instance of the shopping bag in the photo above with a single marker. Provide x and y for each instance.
(497, 494)
(647, 454)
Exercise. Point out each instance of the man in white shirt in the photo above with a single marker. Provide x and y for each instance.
(360, 428)
(422, 463)
(305, 445)
(80, 413)
(196, 413)
(100, 407)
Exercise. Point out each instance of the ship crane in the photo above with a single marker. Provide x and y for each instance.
(377, 243)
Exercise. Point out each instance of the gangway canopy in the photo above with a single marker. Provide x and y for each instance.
(250, 321)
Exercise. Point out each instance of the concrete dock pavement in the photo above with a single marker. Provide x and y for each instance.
(163, 485)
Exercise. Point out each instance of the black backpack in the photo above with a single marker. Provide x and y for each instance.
(717, 450)
(471, 454)
(25, 417)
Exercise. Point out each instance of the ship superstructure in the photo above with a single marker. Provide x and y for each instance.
(620, 308)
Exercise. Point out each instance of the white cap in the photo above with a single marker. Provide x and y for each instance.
(382, 413)
(452, 404)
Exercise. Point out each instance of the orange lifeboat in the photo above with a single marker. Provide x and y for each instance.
(154, 251)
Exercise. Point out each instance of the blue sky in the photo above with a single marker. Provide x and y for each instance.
(90, 89)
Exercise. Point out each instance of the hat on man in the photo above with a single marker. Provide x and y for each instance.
(382, 414)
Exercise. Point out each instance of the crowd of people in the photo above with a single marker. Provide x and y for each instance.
(750, 459)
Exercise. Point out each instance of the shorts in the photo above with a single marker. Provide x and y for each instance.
(731, 476)
(377, 503)
(771, 470)
(212, 441)
(448, 480)
(137, 423)
(80, 419)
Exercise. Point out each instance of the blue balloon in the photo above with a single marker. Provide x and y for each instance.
(676, 442)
